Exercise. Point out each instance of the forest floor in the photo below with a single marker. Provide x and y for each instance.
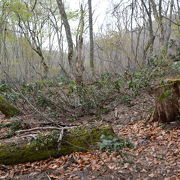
(156, 154)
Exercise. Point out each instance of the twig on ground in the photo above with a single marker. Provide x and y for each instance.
(43, 128)
(48, 176)
(30, 135)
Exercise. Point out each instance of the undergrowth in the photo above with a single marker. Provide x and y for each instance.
(12, 128)
(64, 98)
(111, 143)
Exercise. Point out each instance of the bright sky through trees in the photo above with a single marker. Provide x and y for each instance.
(100, 8)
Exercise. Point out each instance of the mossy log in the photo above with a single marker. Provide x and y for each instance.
(7, 109)
(21, 149)
(167, 107)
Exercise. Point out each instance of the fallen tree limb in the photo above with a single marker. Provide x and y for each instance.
(43, 128)
(19, 149)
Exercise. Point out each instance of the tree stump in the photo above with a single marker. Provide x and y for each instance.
(167, 104)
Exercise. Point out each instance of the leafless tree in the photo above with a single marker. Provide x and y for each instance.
(91, 39)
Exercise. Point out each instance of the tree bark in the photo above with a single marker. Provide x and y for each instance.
(169, 25)
(21, 149)
(79, 49)
(167, 108)
(150, 43)
(67, 30)
(159, 19)
(91, 38)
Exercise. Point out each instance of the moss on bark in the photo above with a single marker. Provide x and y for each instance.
(167, 107)
(7, 109)
(20, 150)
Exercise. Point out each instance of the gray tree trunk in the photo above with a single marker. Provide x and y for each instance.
(79, 47)
(168, 34)
(91, 39)
(159, 19)
(68, 32)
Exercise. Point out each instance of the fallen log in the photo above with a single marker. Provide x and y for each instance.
(7, 109)
(167, 104)
(52, 144)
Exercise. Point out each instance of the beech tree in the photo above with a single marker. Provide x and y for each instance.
(23, 20)
(75, 58)
(38, 41)
(32, 29)
(91, 39)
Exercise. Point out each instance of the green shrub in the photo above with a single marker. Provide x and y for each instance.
(42, 101)
(138, 81)
(176, 67)
(4, 87)
(11, 96)
(111, 143)
(13, 127)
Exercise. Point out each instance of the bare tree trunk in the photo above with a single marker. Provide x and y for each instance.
(79, 46)
(159, 19)
(150, 43)
(68, 32)
(91, 37)
(162, 38)
(168, 34)
(132, 33)
(178, 7)
(43, 63)
(74, 57)
(151, 33)
(35, 44)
